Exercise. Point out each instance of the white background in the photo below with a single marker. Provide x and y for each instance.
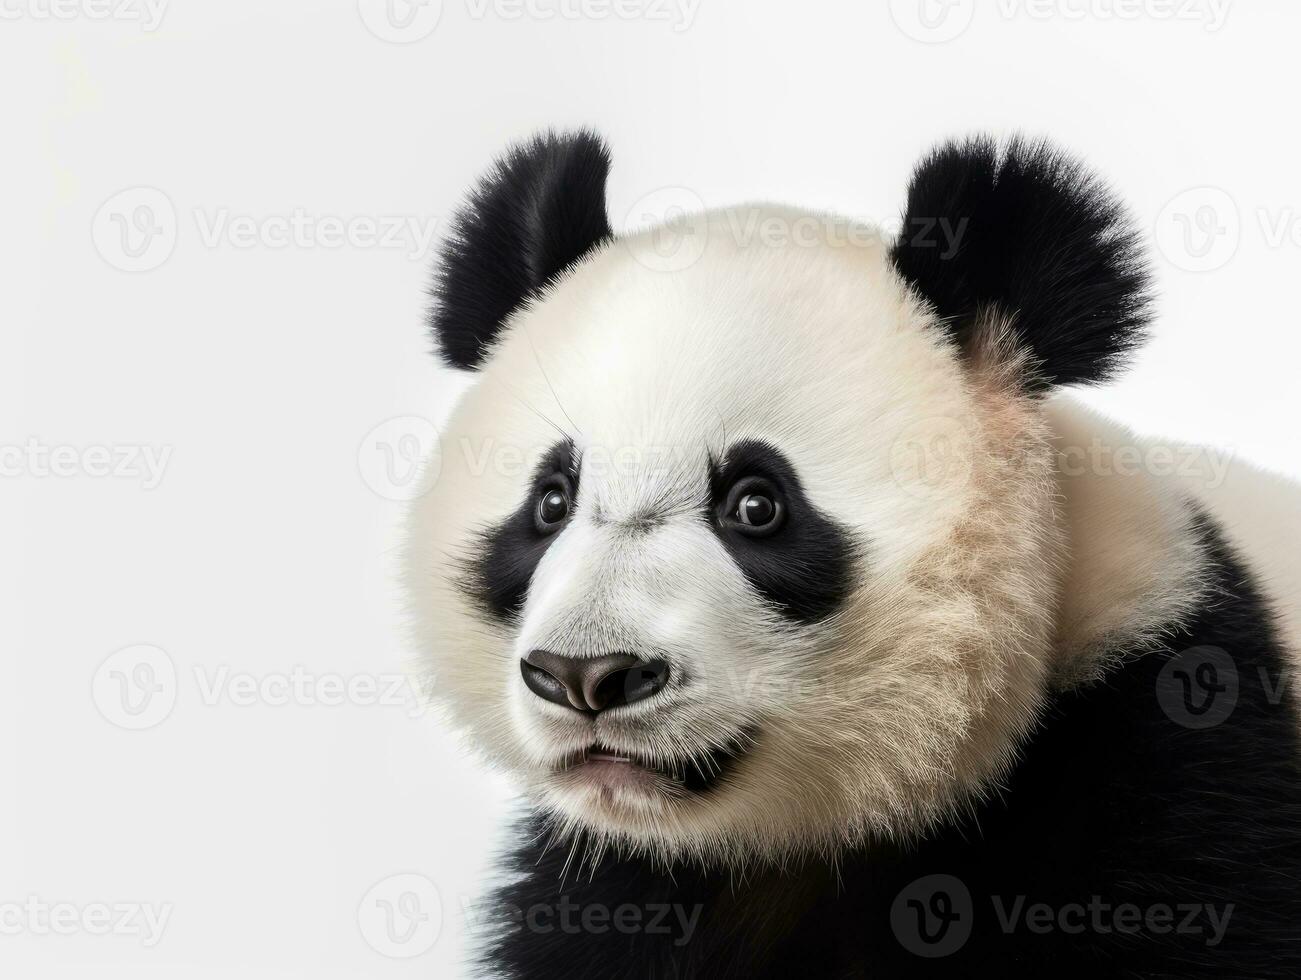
(260, 366)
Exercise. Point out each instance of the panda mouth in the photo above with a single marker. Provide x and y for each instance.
(699, 773)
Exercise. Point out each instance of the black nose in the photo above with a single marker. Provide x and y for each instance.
(592, 684)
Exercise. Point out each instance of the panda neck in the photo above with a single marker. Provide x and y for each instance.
(1135, 562)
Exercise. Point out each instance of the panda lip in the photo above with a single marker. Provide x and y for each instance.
(597, 754)
(696, 774)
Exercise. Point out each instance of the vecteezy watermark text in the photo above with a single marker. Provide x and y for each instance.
(137, 687)
(1101, 917)
(137, 230)
(147, 13)
(933, 917)
(37, 459)
(300, 229)
(673, 920)
(37, 917)
(938, 21)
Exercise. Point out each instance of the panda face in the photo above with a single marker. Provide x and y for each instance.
(757, 555)
(709, 560)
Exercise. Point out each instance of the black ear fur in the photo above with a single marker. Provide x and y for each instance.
(1037, 237)
(536, 212)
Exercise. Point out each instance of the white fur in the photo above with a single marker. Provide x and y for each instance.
(1136, 562)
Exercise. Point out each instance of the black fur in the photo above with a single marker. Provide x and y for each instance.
(536, 213)
(498, 579)
(1037, 236)
(1112, 798)
(804, 568)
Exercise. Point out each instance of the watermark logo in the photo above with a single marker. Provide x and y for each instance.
(401, 916)
(932, 916)
(1199, 229)
(400, 21)
(677, 230)
(933, 458)
(135, 688)
(135, 229)
(400, 459)
(1198, 688)
(932, 21)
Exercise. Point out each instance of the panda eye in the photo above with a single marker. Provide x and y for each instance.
(755, 508)
(552, 509)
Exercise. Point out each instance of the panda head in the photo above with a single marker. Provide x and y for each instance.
(755, 554)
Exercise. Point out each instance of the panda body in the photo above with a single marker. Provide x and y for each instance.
(778, 596)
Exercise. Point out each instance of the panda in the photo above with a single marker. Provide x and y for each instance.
(825, 635)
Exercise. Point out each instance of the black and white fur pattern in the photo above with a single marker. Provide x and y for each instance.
(942, 664)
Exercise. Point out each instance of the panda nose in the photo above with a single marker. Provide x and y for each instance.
(592, 684)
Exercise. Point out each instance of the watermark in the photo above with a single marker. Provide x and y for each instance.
(147, 13)
(415, 237)
(135, 229)
(1204, 464)
(933, 917)
(481, 457)
(400, 21)
(407, 21)
(1211, 15)
(35, 916)
(1200, 687)
(675, 225)
(1104, 918)
(934, 457)
(36, 459)
(929, 458)
(932, 21)
(670, 230)
(678, 229)
(400, 459)
(302, 687)
(1202, 228)
(1199, 229)
(676, 922)
(135, 688)
(679, 15)
(401, 916)
(940, 21)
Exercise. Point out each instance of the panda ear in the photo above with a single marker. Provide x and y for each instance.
(1026, 232)
(537, 211)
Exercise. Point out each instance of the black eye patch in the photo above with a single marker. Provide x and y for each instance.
(498, 580)
(803, 566)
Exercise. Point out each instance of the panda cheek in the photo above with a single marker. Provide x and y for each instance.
(807, 580)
